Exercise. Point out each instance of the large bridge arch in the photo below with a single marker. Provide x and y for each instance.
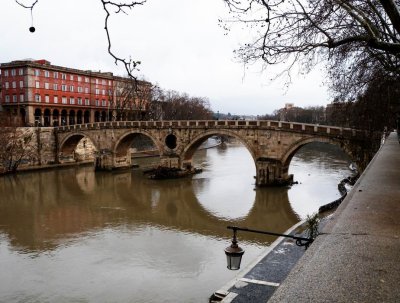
(291, 151)
(194, 144)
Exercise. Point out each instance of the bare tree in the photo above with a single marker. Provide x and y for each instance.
(129, 99)
(356, 38)
(16, 145)
(171, 105)
(364, 112)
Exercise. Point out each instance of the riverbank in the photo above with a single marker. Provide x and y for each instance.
(25, 169)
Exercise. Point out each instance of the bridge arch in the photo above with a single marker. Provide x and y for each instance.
(125, 141)
(69, 144)
(291, 151)
(194, 144)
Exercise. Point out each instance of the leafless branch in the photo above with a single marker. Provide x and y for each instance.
(129, 64)
(27, 6)
(360, 35)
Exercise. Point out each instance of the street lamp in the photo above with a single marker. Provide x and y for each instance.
(234, 252)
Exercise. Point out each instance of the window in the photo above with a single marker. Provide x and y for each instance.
(104, 103)
(86, 90)
(79, 101)
(14, 84)
(79, 78)
(87, 101)
(71, 100)
(103, 82)
(109, 82)
(6, 73)
(21, 98)
(55, 99)
(63, 76)
(21, 84)
(97, 81)
(63, 87)
(15, 98)
(103, 91)
(37, 85)
(55, 86)
(97, 91)
(7, 99)
(86, 79)
(47, 99)
(55, 75)
(37, 72)
(64, 100)
(46, 85)
(71, 88)
(97, 102)
(71, 77)
(79, 89)
(6, 85)
(21, 71)
(37, 98)
(13, 72)
(46, 73)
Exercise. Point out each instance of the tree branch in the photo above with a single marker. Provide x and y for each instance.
(129, 64)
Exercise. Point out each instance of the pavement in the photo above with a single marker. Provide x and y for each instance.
(356, 258)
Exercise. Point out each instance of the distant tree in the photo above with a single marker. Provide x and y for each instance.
(359, 40)
(171, 105)
(310, 114)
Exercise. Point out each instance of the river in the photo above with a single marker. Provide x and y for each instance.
(73, 235)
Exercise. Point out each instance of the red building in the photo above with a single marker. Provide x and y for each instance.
(48, 95)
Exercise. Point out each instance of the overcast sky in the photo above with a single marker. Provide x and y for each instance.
(179, 43)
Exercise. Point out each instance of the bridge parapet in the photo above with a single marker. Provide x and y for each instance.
(249, 124)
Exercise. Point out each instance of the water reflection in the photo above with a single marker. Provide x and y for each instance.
(72, 235)
(55, 204)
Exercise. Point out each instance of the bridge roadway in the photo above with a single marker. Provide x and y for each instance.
(271, 144)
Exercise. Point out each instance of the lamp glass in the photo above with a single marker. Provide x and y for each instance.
(234, 257)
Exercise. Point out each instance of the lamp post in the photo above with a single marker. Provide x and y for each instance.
(234, 252)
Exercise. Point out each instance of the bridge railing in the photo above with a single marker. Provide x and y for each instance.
(259, 124)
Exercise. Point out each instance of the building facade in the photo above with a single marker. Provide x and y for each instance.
(42, 94)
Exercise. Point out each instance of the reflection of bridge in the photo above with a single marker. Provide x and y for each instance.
(272, 144)
(90, 201)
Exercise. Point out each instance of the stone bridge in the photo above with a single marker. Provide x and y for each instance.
(272, 144)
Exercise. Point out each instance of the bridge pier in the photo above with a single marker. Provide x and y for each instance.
(107, 160)
(271, 172)
(171, 161)
(104, 160)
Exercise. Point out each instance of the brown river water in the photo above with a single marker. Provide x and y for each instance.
(73, 235)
